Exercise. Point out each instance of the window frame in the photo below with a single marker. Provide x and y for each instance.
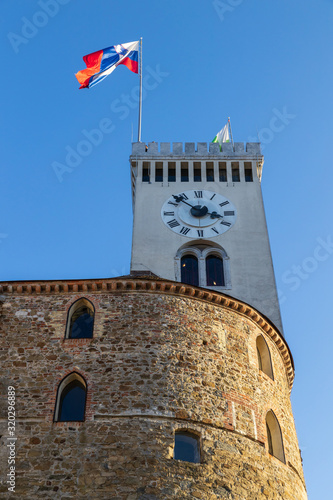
(71, 310)
(196, 436)
(202, 251)
(61, 387)
(275, 446)
(265, 357)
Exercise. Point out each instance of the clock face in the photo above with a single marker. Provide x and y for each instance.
(198, 214)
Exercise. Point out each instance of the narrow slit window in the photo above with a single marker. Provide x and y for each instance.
(159, 172)
(187, 447)
(222, 172)
(171, 172)
(248, 172)
(146, 171)
(235, 172)
(210, 171)
(184, 171)
(197, 171)
(274, 437)
(264, 357)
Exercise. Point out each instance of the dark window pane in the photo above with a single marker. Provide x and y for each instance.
(210, 175)
(222, 172)
(184, 173)
(145, 175)
(248, 175)
(172, 175)
(72, 402)
(214, 271)
(235, 175)
(190, 270)
(82, 324)
(187, 447)
(159, 175)
(197, 175)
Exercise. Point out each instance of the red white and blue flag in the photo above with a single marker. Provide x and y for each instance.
(100, 64)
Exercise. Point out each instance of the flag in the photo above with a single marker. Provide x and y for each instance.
(222, 136)
(101, 63)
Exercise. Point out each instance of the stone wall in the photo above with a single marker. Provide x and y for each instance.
(163, 357)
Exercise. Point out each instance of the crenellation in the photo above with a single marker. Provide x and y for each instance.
(239, 147)
(165, 148)
(214, 148)
(253, 148)
(202, 148)
(177, 148)
(191, 149)
(153, 148)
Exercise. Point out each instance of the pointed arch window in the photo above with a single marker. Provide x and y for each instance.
(264, 357)
(71, 399)
(190, 270)
(214, 271)
(80, 321)
(274, 437)
(187, 447)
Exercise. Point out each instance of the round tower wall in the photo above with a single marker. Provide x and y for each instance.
(157, 363)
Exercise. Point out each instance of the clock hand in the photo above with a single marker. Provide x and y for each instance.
(178, 199)
(215, 215)
(199, 209)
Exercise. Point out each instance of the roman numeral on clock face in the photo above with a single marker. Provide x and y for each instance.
(200, 232)
(184, 230)
(229, 213)
(171, 214)
(173, 223)
(198, 194)
(226, 223)
(212, 196)
(183, 195)
(223, 203)
(215, 230)
(173, 203)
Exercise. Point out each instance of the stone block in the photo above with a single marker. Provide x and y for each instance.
(189, 148)
(153, 148)
(227, 148)
(239, 147)
(253, 148)
(138, 148)
(202, 148)
(177, 148)
(214, 148)
(165, 148)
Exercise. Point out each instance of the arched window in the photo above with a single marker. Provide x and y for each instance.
(80, 322)
(190, 270)
(214, 271)
(71, 399)
(264, 357)
(274, 436)
(203, 264)
(187, 447)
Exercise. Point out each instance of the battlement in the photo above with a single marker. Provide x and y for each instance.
(196, 150)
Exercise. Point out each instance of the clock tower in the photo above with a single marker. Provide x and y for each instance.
(172, 382)
(199, 219)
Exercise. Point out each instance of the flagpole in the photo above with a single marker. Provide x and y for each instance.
(232, 141)
(140, 98)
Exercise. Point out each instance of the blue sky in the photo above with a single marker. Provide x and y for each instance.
(267, 65)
